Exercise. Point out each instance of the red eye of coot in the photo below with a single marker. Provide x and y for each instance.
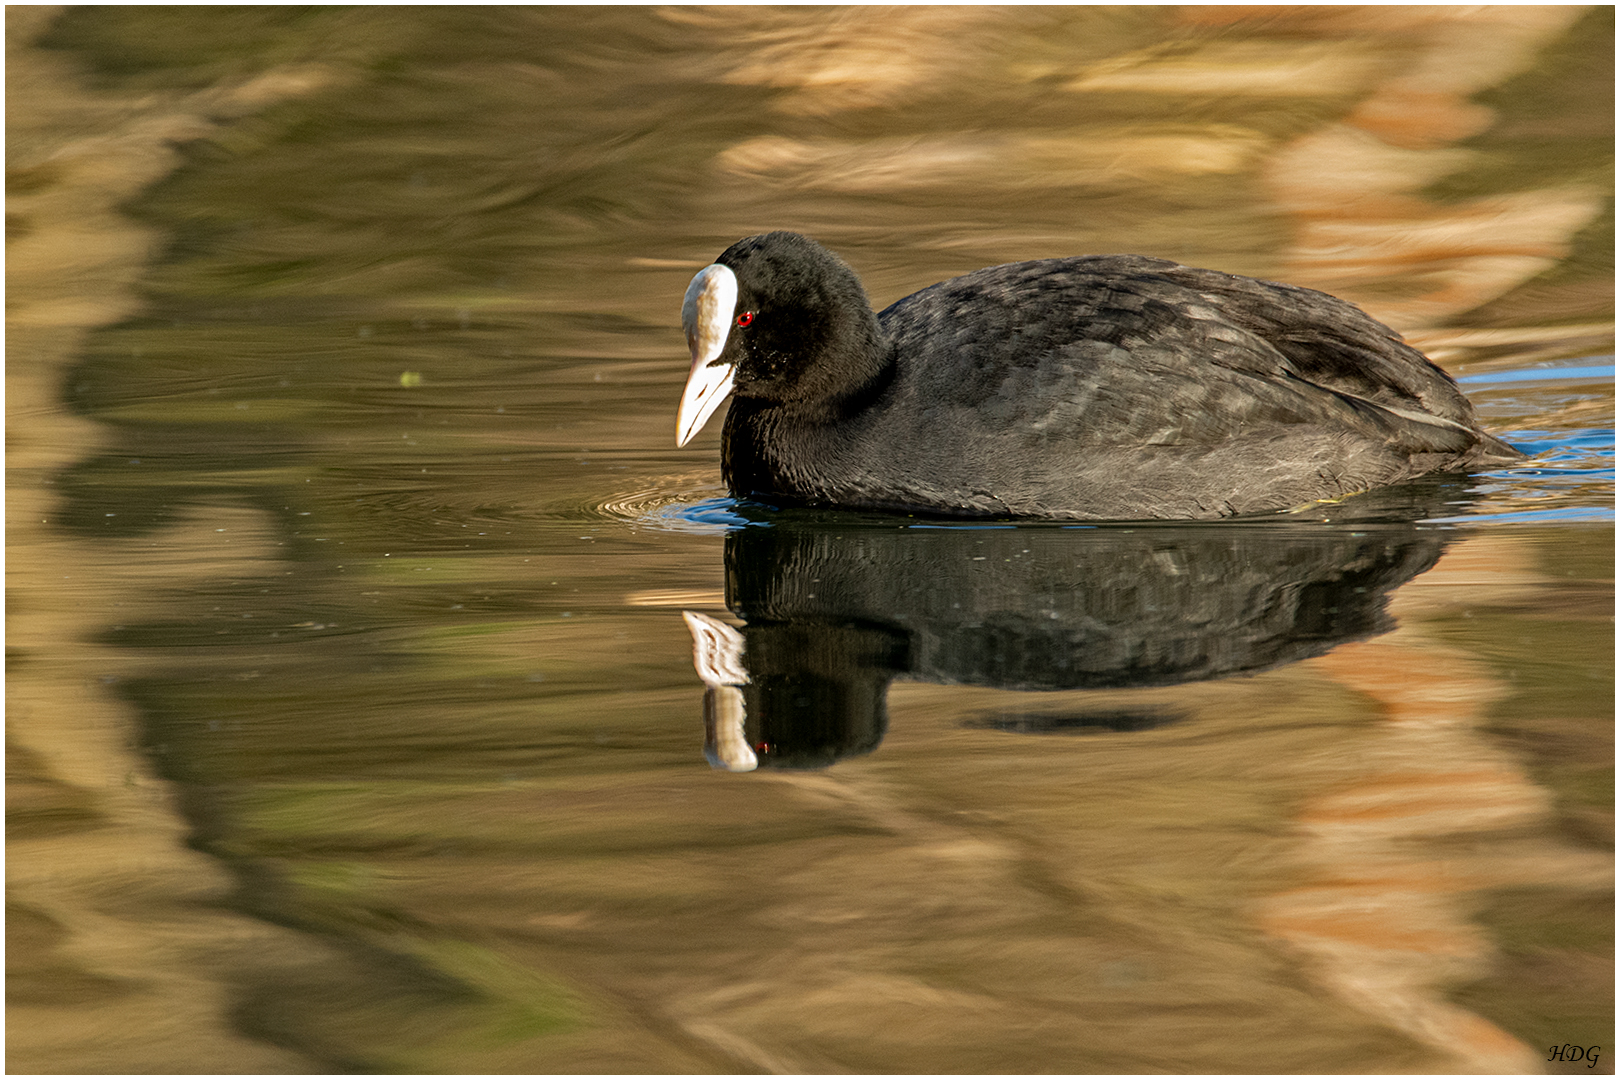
(745, 318)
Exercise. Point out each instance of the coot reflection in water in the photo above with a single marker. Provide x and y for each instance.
(834, 609)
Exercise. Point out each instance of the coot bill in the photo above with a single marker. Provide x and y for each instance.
(1094, 387)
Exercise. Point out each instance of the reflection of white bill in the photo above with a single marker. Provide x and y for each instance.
(724, 743)
(716, 650)
(717, 654)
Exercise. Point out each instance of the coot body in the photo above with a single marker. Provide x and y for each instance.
(1095, 387)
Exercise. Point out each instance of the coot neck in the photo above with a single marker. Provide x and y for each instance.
(791, 451)
(853, 364)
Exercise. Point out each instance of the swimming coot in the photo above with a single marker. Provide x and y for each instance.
(1093, 387)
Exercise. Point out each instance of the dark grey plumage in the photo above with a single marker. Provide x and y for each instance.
(1094, 387)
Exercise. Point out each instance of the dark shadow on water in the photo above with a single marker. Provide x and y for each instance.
(835, 607)
(1092, 722)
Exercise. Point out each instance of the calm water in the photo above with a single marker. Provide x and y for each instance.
(386, 693)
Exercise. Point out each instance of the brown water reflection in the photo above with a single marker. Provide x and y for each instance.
(118, 954)
(352, 722)
(1385, 915)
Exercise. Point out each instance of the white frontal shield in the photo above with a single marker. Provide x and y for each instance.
(706, 314)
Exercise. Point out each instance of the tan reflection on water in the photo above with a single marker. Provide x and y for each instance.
(117, 956)
(1098, 157)
(1382, 913)
(1350, 188)
(836, 59)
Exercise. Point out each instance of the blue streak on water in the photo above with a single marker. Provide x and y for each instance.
(1559, 457)
(1560, 515)
(711, 515)
(1588, 373)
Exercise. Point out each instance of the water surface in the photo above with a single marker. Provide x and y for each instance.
(357, 717)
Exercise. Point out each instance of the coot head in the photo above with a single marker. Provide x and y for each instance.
(780, 319)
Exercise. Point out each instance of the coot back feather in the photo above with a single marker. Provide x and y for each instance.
(1094, 387)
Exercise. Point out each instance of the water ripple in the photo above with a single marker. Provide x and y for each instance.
(680, 509)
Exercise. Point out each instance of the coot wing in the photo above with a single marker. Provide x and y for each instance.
(1133, 351)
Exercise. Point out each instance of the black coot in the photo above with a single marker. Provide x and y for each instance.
(1099, 386)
